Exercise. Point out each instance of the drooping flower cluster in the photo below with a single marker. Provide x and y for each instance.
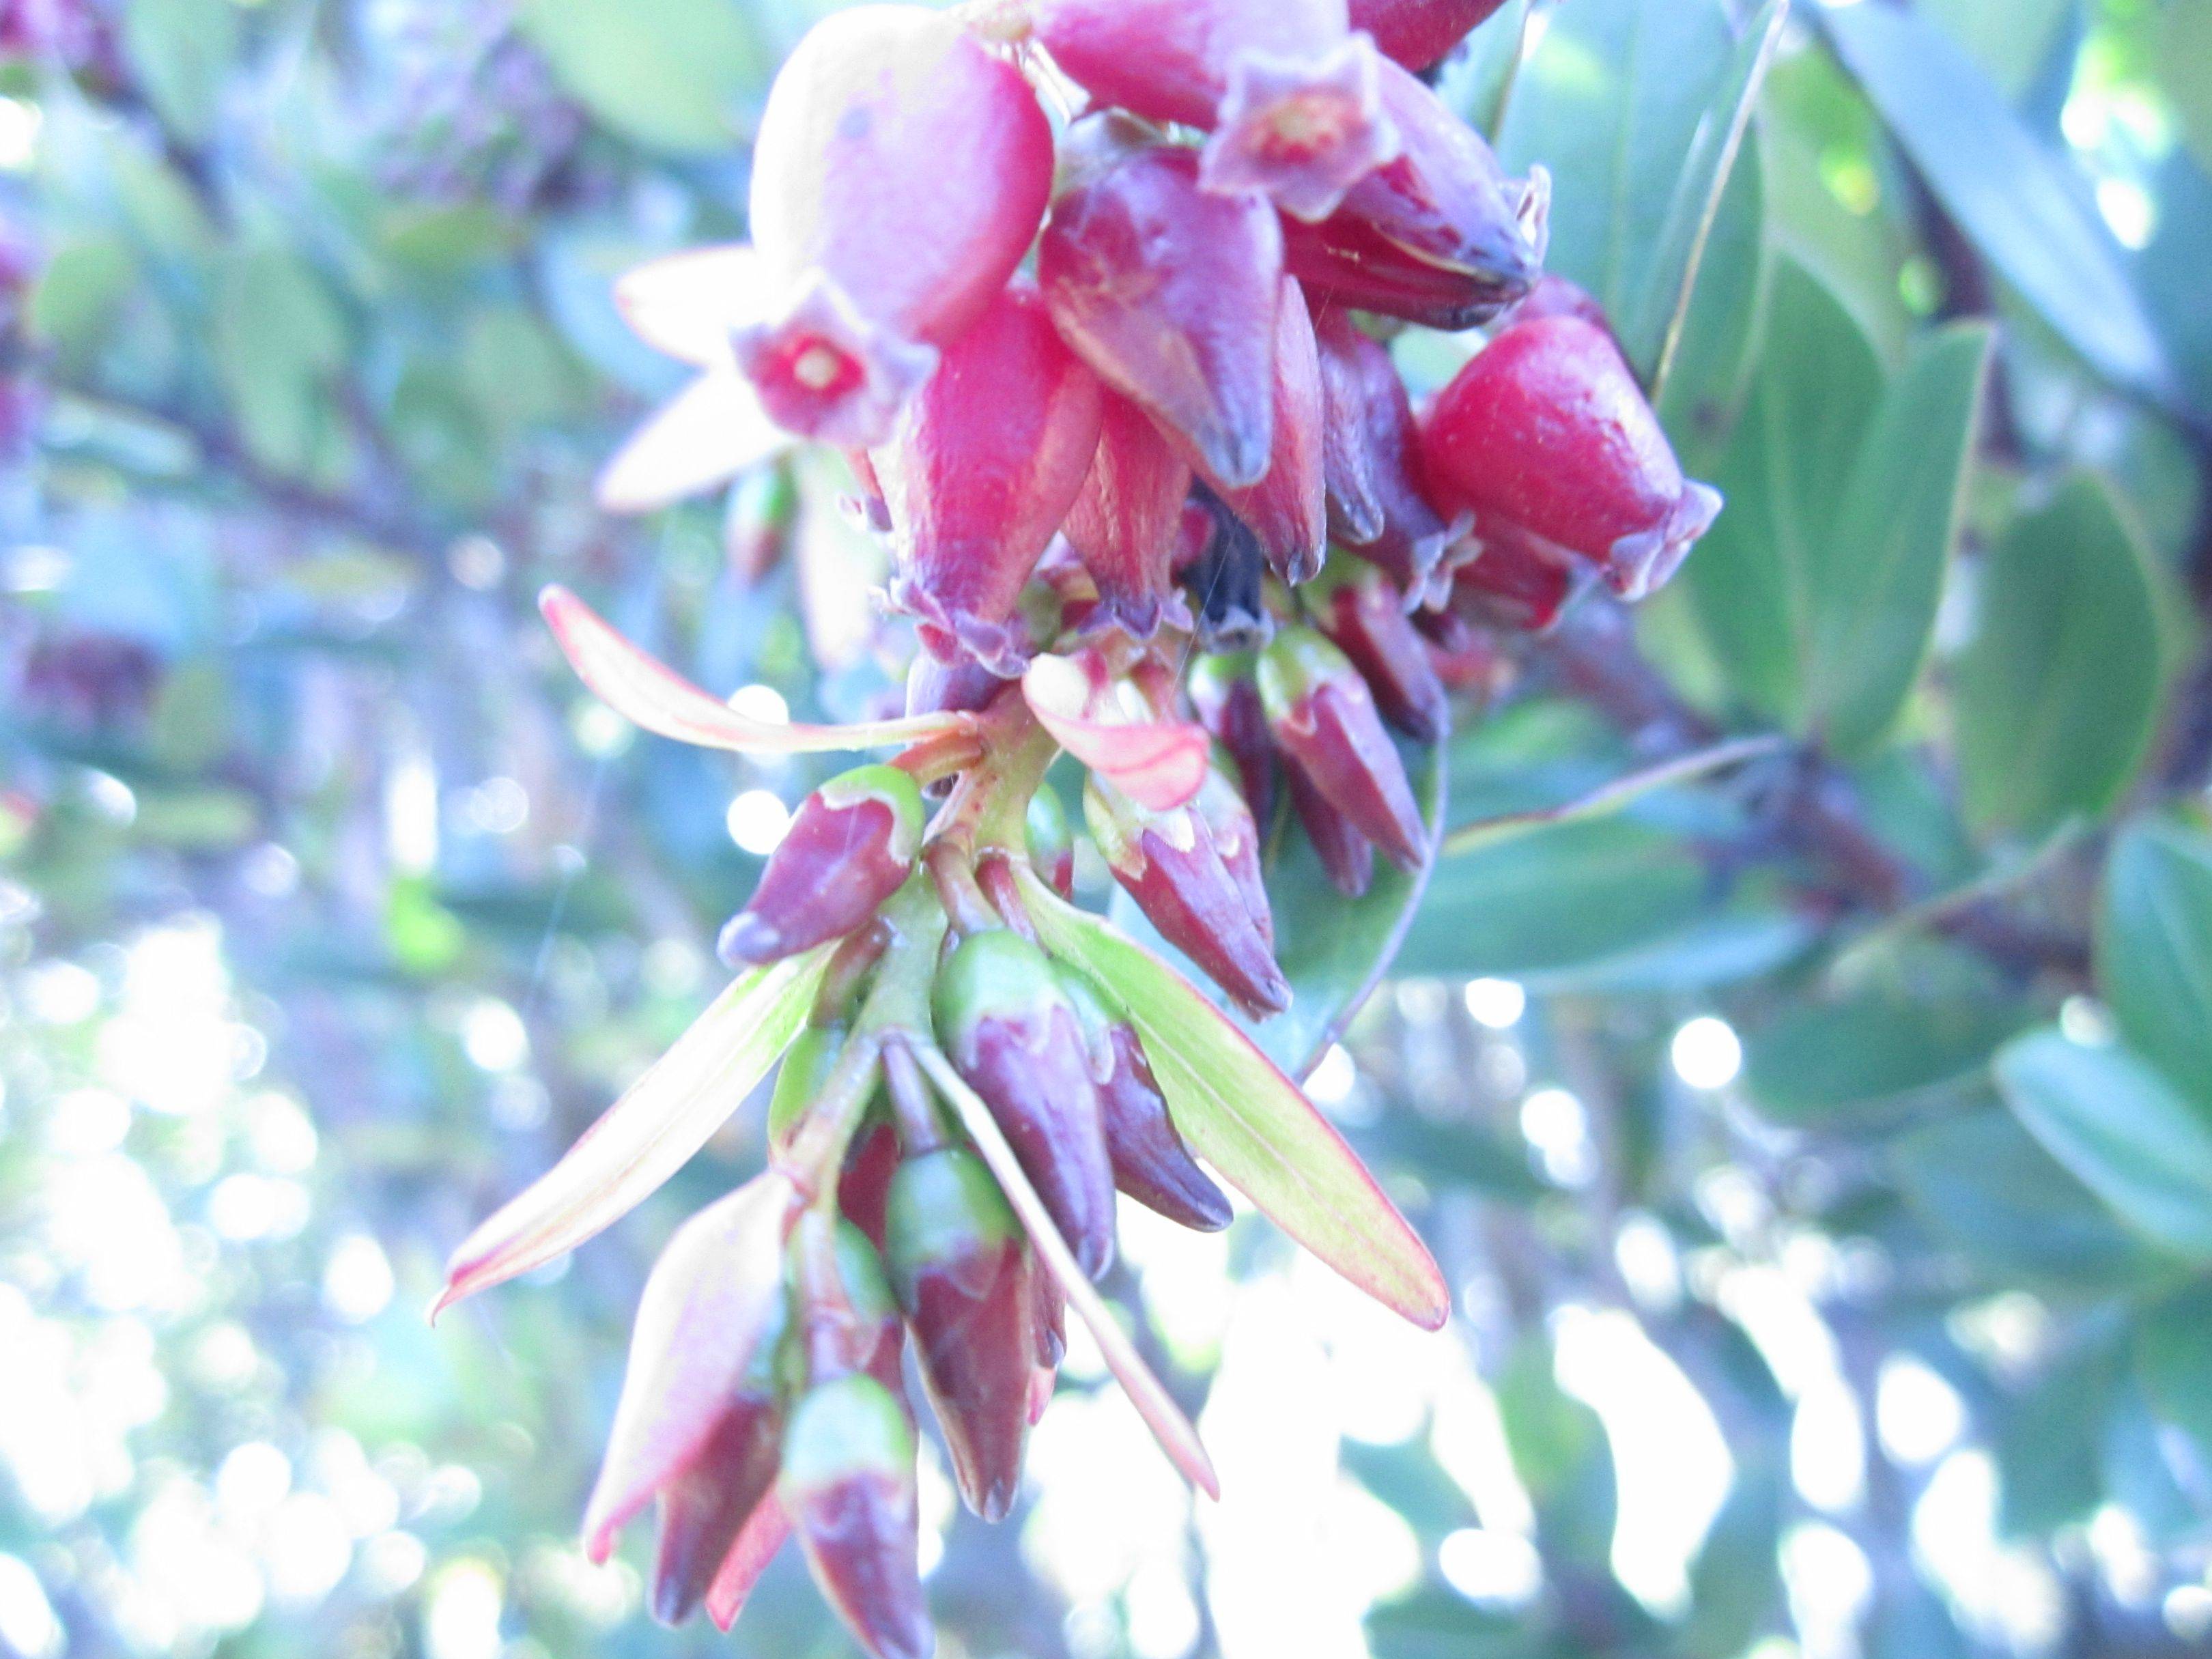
(1120, 398)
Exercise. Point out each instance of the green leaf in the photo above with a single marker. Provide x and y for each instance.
(278, 339)
(1832, 1063)
(2010, 42)
(1875, 604)
(1246, 1119)
(1980, 1181)
(181, 51)
(1477, 84)
(2048, 1441)
(649, 1133)
(2121, 1127)
(671, 75)
(2184, 66)
(1709, 378)
(1637, 108)
(2023, 205)
(2155, 950)
(2057, 696)
(1557, 899)
(2173, 1360)
(1756, 577)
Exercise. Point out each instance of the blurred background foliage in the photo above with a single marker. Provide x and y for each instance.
(1823, 1154)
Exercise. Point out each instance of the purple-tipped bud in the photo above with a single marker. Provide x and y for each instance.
(845, 1313)
(1419, 32)
(985, 462)
(705, 1508)
(1378, 505)
(898, 177)
(1546, 438)
(1287, 508)
(1324, 722)
(1009, 1030)
(851, 845)
(1343, 261)
(1170, 863)
(1048, 1311)
(1366, 618)
(1150, 1163)
(1519, 582)
(961, 686)
(848, 1484)
(1347, 856)
(1051, 841)
(1125, 522)
(1445, 200)
(961, 1270)
(1169, 292)
(1223, 691)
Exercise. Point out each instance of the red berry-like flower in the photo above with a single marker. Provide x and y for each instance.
(984, 464)
(1169, 292)
(1126, 523)
(900, 173)
(1325, 724)
(1378, 506)
(1546, 432)
(1287, 508)
(1366, 619)
(848, 1483)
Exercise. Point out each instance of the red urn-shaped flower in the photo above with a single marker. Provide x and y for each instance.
(850, 845)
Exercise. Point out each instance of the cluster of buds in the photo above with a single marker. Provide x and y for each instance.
(1119, 396)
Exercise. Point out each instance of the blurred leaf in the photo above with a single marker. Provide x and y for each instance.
(1608, 798)
(278, 340)
(670, 73)
(1249, 1121)
(1410, 1481)
(2023, 205)
(2058, 694)
(2173, 1360)
(1477, 84)
(1557, 898)
(2184, 63)
(2155, 950)
(1882, 575)
(2009, 41)
(1438, 1623)
(1635, 106)
(2120, 1126)
(181, 51)
(2172, 269)
(79, 292)
(1832, 1064)
(1981, 1181)
(1706, 385)
(2049, 1442)
(1560, 1452)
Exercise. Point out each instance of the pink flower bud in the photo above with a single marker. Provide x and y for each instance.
(1370, 457)
(1419, 32)
(1288, 92)
(850, 846)
(1126, 522)
(848, 1484)
(962, 1272)
(1343, 262)
(983, 465)
(1445, 200)
(1347, 856)
(1287, 508)
(1547, 431)
(900, 172)
(1009, 1030)
(1519, 582)
(1366, 619)
(1228, 704)
(1169, 292)
(1150, 1163)
(1181, 879)
(1324, 722)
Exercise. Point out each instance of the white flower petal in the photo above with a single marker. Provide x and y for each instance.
(700, 439)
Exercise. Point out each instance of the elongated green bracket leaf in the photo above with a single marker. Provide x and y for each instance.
(2123, 1130)
(1637, 108)
(2058, 694)
(1874, 616)
(653, 695)
(648, 1135)
(1246, 1119)
(1663, 305)
(2019, 202)
(1609, 799)
(1145, 1391)
(1477, 84)
(2155, 950)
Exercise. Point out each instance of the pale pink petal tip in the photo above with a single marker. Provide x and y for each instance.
(1300, 131)
(826, 372)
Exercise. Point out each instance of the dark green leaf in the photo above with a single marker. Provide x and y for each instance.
(2155, 950)
(1837, 1062)
(2122, 1128)
(2058, 694)
(2173, 1361)
(2023, 205)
